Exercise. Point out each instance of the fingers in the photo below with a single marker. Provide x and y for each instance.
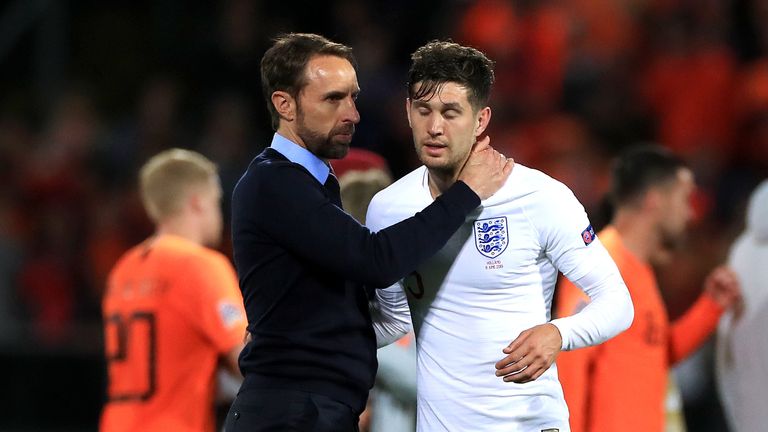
(523, 370)
(530, 354)
(482, 144)
(723, 281)
(486, 170)
(508, 165)
(729, 277)
(724, 275)
(516, 353)
(527, 375)
(515, 344)
(510, 364)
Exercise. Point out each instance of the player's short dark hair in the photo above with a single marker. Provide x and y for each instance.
(439, 62)
(641, 168)
(284, 63)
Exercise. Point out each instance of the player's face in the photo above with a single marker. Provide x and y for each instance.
(326, 114)
(210, 204)
(445, 127)
(676, 208)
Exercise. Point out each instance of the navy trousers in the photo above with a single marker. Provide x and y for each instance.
(266, 410)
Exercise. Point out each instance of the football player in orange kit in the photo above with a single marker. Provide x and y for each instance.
(173, 311)
(622, 383)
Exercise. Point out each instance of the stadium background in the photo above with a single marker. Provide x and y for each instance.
(90, 89)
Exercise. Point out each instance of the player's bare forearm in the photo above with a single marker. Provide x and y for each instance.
(530, 354)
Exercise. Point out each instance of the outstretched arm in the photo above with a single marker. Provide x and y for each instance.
(690, 331)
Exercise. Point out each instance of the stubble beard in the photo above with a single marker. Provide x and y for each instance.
(672, 241)
(324, 146)
(445, 169)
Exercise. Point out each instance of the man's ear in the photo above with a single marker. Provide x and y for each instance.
(408, 110)
(483, 118)
(284, 104)
(653, 199)
(195, 202)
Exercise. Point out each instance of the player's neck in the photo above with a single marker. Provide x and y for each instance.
(637, 233)
(180, 227)
(439, 181)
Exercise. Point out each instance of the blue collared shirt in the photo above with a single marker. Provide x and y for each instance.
(298, 154)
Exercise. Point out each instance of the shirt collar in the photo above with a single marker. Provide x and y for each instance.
(298, 154)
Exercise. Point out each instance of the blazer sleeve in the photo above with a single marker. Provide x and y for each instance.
(292, 208)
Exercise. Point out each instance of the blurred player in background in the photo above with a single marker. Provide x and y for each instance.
(173, 311)
(494, 280)
(622, 384)
(362, 173)
(742, 344)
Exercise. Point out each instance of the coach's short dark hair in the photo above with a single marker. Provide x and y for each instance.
(641, 168)
(439, 62)
(283, 65)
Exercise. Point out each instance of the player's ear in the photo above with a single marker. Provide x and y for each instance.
(483, 118)
(195, 202)
(284, 104)
(652, 200)
(408, 110)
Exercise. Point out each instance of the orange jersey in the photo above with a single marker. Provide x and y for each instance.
(171, 310)
(622, 383)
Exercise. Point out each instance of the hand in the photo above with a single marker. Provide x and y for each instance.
(486, 169)
(530, 354)
(722, 285)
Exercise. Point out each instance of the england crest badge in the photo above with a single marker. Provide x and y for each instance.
(491, 237)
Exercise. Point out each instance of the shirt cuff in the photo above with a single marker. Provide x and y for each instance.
(565, 333)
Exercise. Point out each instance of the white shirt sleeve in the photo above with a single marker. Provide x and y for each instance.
(390, 314)
(389, 310)
(564, 232)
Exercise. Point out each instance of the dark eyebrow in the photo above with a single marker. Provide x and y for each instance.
(335, 94)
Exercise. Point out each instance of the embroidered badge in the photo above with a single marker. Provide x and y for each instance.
(588, 235)
(229, 313)
(491, 236)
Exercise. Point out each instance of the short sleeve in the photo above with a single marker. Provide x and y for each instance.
(217, 304)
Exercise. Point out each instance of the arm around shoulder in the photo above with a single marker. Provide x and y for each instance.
(291, 209)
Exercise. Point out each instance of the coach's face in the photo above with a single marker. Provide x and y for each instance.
(326, 114)
(445, 127)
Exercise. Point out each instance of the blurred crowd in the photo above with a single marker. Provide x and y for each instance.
(576, 81)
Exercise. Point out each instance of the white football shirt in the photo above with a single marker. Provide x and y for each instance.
(493, 279)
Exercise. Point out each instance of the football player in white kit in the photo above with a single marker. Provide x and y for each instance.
(494, 280)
